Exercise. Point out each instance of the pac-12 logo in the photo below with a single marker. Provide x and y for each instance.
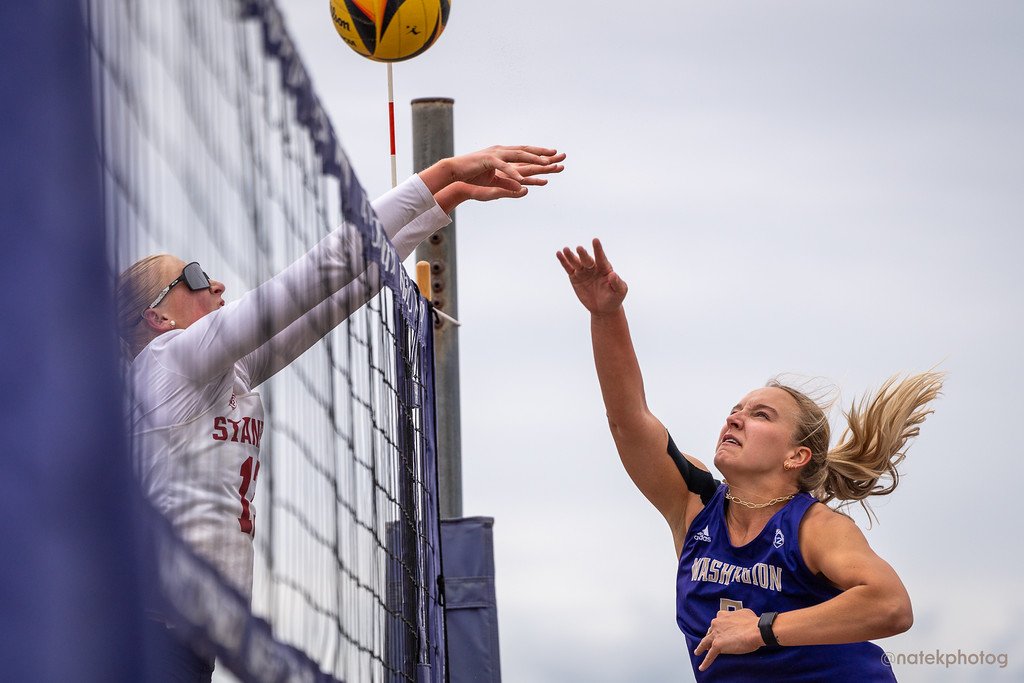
(703, 535)
(779, 538)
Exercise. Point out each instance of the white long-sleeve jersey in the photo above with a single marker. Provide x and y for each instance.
(197, 422)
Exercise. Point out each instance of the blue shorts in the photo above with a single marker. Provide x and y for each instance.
(171, 660)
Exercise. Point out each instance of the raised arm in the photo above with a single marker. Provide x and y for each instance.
(873, 603)
(217, 340)
(409, 214)
(641, 439)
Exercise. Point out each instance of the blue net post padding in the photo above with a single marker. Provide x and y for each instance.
(470, 603)
(70, 586)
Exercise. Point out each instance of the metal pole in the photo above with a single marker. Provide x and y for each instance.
(434, 139)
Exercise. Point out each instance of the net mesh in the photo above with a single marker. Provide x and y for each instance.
(214, 147)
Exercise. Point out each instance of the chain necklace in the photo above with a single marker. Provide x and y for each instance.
(756, 506)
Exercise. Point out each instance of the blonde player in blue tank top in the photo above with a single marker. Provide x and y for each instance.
(772, 583)
(197, 420)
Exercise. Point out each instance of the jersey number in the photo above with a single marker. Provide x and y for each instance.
(248, 477)
(727, 605)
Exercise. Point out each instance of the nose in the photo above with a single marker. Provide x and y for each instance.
(734, 421)
(216, 286)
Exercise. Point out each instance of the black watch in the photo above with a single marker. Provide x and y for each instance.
(764, 624)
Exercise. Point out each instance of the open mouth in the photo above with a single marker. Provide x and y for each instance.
(728, 439)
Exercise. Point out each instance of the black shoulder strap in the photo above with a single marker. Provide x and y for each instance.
(697, 480)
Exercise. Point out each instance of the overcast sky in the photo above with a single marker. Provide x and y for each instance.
(831, 189)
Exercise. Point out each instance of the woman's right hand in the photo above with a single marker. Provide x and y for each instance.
(498, 172)
(598, 287)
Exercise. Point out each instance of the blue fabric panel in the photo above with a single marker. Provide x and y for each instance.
(471, 606)
(70, 592)
(432, 519)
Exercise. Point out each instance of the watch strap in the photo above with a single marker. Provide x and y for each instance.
(764, 624)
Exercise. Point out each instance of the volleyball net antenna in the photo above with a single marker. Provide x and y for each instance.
(214, 147)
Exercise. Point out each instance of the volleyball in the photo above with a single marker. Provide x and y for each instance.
(390, 30)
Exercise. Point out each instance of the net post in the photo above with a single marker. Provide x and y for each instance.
(433, 140)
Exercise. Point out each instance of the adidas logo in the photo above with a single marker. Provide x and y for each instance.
(779, 538)
(703, 535)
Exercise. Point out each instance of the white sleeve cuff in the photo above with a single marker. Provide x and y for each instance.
(419, 229)
(403, 204)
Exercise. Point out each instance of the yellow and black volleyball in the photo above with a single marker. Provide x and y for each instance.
(390, 30)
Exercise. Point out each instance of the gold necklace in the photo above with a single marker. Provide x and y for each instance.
(757, 506)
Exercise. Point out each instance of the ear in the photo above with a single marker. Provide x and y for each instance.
(157, 322)
(801, 456)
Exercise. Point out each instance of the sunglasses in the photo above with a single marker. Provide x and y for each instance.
(192, 275)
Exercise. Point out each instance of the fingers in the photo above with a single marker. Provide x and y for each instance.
(515, 164)
(565, 263)
(540, 182)
(712, 656)
(707, 644)
(523, 158)
(581, 259)
(528, 170)
(529, 149)
(511, 191)
(570, 263)
(568, 257)
(586, 259)
(497, 188)
(602, 258)
(519, 157)
(709, 638)
(506, 183)
(542, 164)
(508, 169)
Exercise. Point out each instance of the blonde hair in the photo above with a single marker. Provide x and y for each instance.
(864, 462)
(135, 290)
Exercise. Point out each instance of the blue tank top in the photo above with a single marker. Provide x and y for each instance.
(766, 575)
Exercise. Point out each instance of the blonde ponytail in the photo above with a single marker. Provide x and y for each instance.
(864, 463)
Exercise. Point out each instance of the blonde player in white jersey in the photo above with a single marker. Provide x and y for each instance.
(196, 418)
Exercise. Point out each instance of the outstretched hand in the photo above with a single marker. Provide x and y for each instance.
(494, 173)
(598, 287)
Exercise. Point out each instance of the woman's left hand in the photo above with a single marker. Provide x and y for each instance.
(732, 632)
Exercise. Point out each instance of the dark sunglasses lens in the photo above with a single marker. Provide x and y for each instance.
(195, 278)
